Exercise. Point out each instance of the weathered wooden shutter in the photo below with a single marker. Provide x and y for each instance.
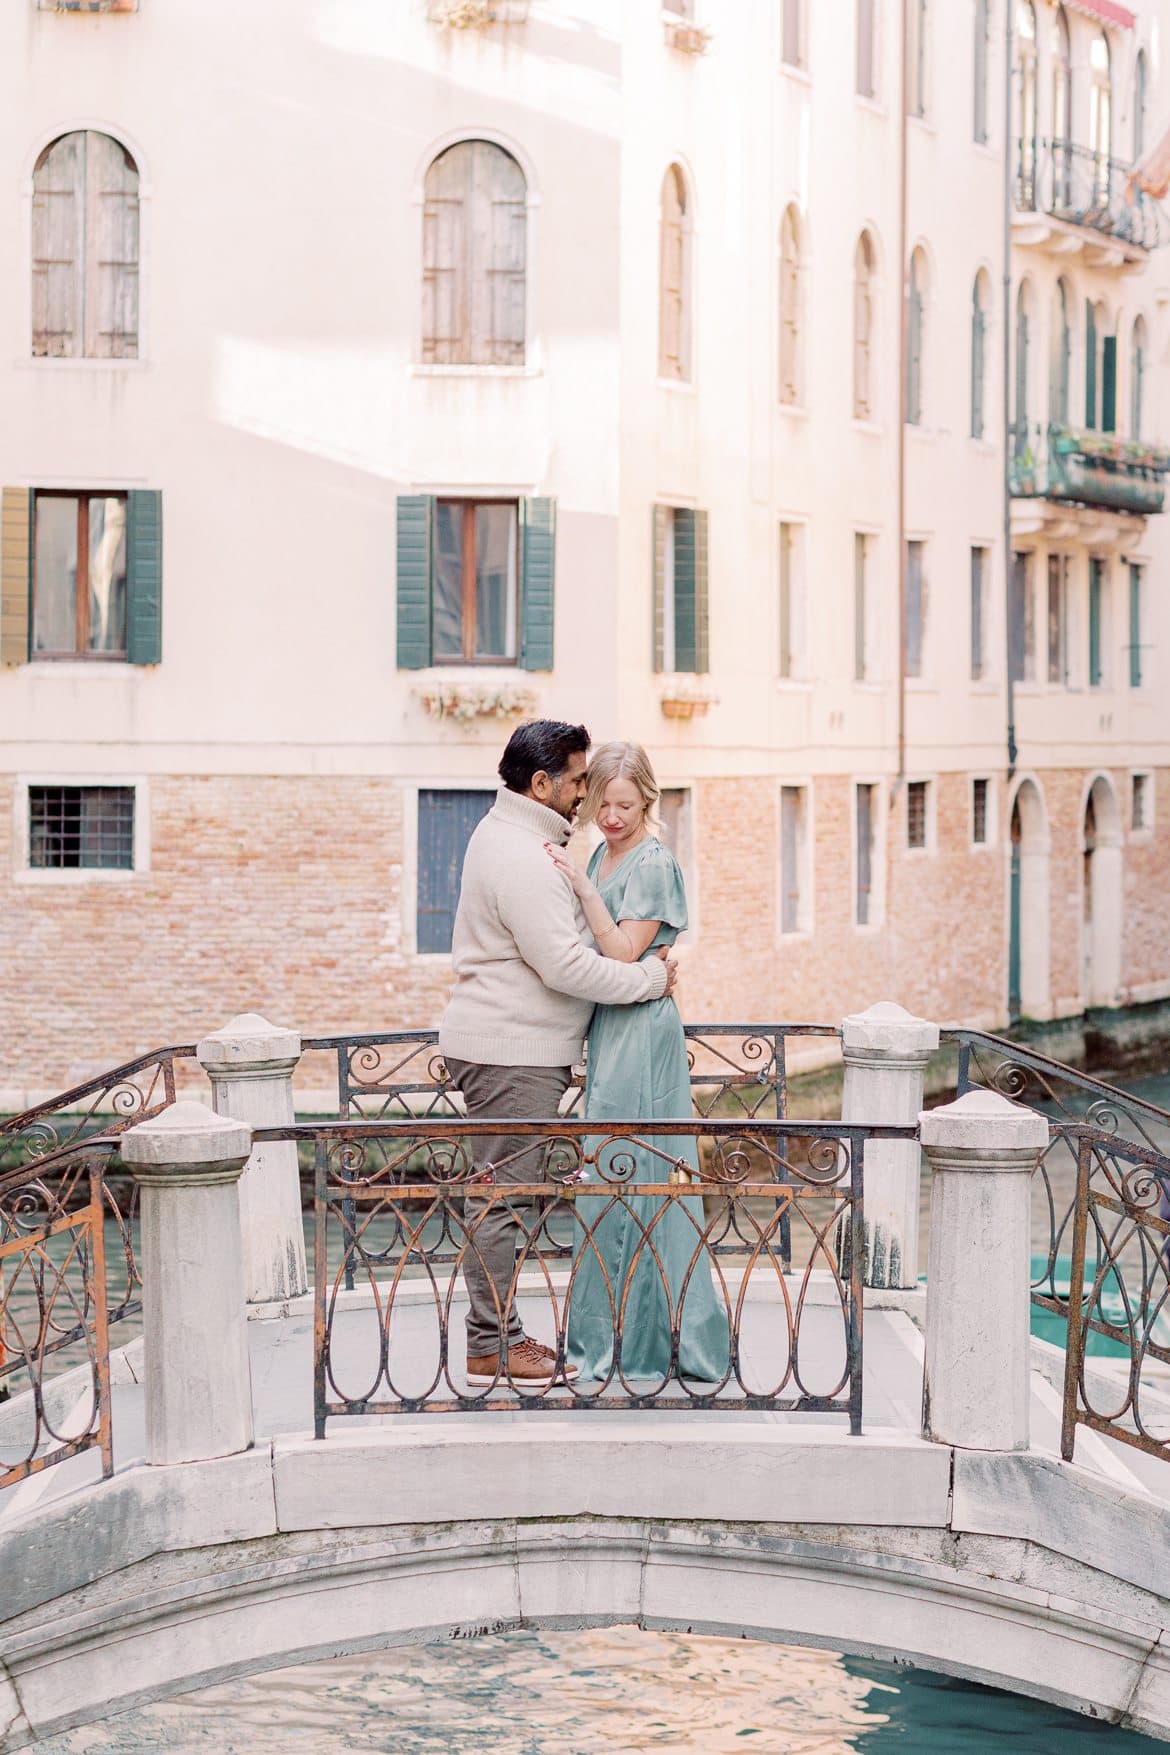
(446, 821)
(505, 198)
(538, 559)
(673, 361)
(1135, 625)
(1096, 583)
(982, 35)
(1109, 384)
(662, 514)
(416, 516)
(144, 576)
(58, 250)
(15, 573)
(914, 323)
(445, 326)
(1090, 364)
(789, 309)
(111, 250)
(790, 810)
(702, 596)
(915, 591)
(865, 56)
(978, 372)
(686, 652)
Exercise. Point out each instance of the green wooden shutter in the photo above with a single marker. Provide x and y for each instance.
(538, 562)
(416, 515)
(702, 613)
(144, 576)
(686, 648)
(977, 366)
(15, 574)
(1090, 364)
(661, 514)
(1096, 570)
(1135, 626)
(1109, 384)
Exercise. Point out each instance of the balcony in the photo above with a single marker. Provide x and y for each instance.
(1065, 480)
(1070, 201)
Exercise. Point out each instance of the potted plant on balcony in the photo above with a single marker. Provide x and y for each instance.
(682, 700)
(463, 703)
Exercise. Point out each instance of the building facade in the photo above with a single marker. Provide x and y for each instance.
(376, 374)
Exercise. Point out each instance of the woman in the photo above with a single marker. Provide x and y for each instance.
(634, 902)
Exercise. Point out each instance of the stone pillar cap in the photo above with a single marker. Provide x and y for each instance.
(983, 1121)
(247, 1040)
(890, 1029)
(186, 1133)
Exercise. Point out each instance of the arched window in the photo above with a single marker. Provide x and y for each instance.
(1062, 113)
(863, 327)
(1023, 365)
(1100, 114)
(1060, 362)
(1100, 370)
(474, 256)
(980, 306)
(982, 50)
(1137, 377)
(866, 57)
(791, 276)
(674, 279)
(1141, 81)
(1026, 112)
(915, 336)
(85, 250)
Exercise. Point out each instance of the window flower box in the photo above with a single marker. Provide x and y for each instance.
(476, 14)
(87, 5)
(463, 703)
(687, 38)
(680, 701)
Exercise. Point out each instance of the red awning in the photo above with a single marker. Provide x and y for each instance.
(1107, 11)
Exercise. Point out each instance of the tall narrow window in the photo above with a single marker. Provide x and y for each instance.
(979, 557)
(680, 589)
(1100, 115)
(794, 884)
(915, 336)
(1135, 625)
(676, 814)
(1026, 104)
(1091, 313)
(1062, 153)
(792, 33)
(917, 21)
(674, 279)
(1022, 609)
(863, 327)
(915, 589)
(1058, 619)
(1023, 365)
(864, 910)
(85, 250)
(1137, 377)
(446, 822)
(791, 599)
(79, 576)
(790, 312)
(1141, 82)
(980, 303)
(1108, 383)
(474, 257)
(979, 813)
(916, 809)
(866, 58)
(1140, 815)
(861, 548)
(475, 602)
(982, 53)
(1060, 360)
(1098, 612)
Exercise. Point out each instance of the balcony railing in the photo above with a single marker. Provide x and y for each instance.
(1086, 188)
(1087, 468)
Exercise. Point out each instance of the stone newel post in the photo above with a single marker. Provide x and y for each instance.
(982, 1151)
(885, 1051)
(250, 1063)
(187, 1162)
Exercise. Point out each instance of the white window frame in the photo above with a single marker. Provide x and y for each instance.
(24, 873)
(930, 825)
(690, 866)
(1147, 776)
(806, 908)
(991, 823)
(798, 600)
(879, 820)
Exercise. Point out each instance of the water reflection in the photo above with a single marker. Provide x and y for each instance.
(614, 1689)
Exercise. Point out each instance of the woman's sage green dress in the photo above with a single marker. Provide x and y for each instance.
(637, 1070)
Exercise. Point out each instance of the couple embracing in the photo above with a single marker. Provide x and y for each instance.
(544, 956)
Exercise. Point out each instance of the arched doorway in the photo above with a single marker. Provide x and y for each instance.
(1101, 895)
(1028, 981)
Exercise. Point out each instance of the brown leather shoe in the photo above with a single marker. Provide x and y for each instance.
(482, 1367)
(550, 1353)
(529, 1366)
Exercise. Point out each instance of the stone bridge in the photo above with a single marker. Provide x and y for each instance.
(950, 1534)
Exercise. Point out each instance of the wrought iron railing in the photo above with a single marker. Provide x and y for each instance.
(109, 1102)
(1058, 462)
(55, 1309)
(1087, 188)
(399, 1207)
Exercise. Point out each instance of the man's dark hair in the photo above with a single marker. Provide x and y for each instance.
(544, 745)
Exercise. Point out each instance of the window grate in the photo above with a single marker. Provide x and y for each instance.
(916, 814)
(81, 828)
(979, 812)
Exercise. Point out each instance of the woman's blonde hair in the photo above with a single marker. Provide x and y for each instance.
(619, 761)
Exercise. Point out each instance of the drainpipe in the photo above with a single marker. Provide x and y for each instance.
(903, 344)
(1012, 750)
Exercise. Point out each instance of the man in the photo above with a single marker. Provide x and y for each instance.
(526, 980)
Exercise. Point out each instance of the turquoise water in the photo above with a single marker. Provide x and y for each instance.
(614, 1690)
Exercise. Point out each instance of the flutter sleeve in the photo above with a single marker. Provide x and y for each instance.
(653, 890)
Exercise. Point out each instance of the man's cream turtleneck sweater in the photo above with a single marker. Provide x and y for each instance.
(526, 974)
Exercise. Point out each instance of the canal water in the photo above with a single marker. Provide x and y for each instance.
(607, 1692)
